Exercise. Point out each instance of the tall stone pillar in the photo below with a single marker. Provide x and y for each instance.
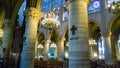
(61, 49)
(107, 48)
(8, 27)
(114, 39)
(33, 16)
(46, 49)
(78, 34)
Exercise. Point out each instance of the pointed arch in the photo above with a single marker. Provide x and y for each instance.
(112, 20)
(94, 29)
(16, 9)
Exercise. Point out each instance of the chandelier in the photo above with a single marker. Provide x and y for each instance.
(92, 42)
(40, 46)
(113, 6)
(50, 22)
(53, 45)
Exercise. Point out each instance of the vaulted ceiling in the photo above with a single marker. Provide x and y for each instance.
(9, 6)
(12, 6)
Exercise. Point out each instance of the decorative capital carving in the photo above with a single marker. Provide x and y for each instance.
(87, 1)
(63, 39)
(106, 33)
(33, 13)
(47, 41)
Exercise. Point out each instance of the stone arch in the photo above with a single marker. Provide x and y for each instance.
(40, 37)
(16, 9)
(94, 29)
(65, 30)
(54, 35)
(92, 20)
(115, 23)
(62, 31)
(115, 29)
(41, 30)
(2, 16)
(112, 20)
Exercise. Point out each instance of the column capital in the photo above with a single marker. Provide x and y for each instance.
(63, 39)
(33, 13)
(87, 1)
(106, 34)
(47, 41)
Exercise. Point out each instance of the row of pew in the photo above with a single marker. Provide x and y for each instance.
(48, 64)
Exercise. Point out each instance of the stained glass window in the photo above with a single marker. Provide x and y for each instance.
(94, 6)
(119, 44)
(52, 52)
(101, 48)
(20, 13)
(48, 5)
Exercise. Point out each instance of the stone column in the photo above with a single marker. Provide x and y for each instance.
(33, 16)
(46, 49)
(36, 48)
(114, 39)
(8, 27)
(61, 50)
(107, 48)
(78, 34)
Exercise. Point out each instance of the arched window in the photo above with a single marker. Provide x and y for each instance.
(119, 44)
(20, 13)
(52, 50)
(65, 14)
(101, 48)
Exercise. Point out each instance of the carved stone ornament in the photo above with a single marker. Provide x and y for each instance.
(106, 33)
(33, 13)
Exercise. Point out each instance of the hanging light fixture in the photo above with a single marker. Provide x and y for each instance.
(40, 46)
(113, 6)
(92, 42)
(50, 21)
(53, 45)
